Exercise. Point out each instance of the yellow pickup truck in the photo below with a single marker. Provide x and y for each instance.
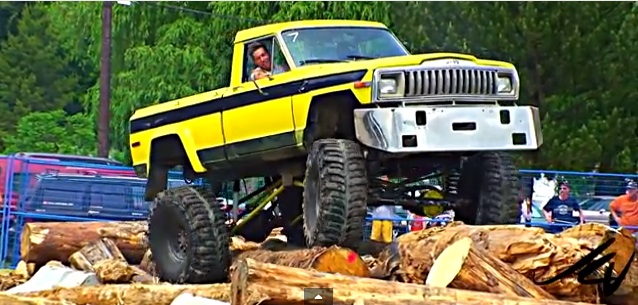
(323, 109)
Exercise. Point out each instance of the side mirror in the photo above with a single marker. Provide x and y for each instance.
(602, 211)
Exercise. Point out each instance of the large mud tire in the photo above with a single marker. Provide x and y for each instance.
(335, 194)
(188, 236)
(488, 189)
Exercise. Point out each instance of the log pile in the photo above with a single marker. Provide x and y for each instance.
(455, 264)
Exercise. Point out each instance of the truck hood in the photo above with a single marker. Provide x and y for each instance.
(397, 61)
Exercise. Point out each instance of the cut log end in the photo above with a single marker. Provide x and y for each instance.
(449, 263)
(25, 241)
(342, 261)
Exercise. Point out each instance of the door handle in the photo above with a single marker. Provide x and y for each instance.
(236, 88)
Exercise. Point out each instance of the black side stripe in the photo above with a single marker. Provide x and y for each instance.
(243, 99)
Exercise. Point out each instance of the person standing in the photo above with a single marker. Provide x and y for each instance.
(627, 205)
(562, 207)
(382, 225)
(417, 223)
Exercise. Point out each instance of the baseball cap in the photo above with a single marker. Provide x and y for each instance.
(632, 185)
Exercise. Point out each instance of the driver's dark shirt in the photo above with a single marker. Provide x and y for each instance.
(563, 210)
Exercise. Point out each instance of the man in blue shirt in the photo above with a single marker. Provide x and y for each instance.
(561, 208)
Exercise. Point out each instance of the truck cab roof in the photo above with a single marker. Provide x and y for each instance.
(263, 30)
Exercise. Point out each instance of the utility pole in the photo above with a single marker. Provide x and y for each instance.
(104, 110)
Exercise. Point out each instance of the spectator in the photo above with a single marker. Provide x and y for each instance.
(417, 222)
(627, 205)
(561, 208)
(526, 211)
(381, 225)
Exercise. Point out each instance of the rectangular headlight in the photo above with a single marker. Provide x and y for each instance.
(391, 85)
(504, 84)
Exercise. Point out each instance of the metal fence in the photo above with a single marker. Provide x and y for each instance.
(599, 189)
(38, 190)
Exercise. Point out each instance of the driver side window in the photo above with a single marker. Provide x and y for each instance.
(263, 57)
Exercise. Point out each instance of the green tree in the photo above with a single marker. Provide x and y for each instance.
(36, 73)
(53, 132)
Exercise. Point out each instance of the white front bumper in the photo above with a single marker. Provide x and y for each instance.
(449, 128)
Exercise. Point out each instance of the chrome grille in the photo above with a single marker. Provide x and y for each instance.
(437, 82)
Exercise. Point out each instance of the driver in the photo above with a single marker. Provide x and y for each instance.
(263, 63)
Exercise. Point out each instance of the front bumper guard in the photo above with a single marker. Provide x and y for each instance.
(449, 128)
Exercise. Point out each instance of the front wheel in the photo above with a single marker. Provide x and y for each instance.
(488, 190)
(188, 236)
(335, 194)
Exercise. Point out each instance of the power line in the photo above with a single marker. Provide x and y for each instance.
(204, 13)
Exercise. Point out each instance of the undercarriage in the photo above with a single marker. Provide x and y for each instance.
(190, 232)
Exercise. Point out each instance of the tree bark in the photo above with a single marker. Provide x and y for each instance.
(332, 260)
(160, 294)
(462, 265)
(42, 242)
(268, 284)
(530, 251)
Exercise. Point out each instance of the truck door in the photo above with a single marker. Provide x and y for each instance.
(258, 116)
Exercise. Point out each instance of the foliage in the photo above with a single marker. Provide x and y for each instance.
(53, 132)
(577, 61)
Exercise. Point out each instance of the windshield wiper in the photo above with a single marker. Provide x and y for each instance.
(320, 61)
(355, 57)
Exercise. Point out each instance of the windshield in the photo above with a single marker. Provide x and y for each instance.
(340, 44)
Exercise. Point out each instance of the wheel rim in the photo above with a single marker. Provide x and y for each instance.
(177, 244)
(311, 210)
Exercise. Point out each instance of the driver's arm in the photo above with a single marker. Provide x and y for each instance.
(258, 74)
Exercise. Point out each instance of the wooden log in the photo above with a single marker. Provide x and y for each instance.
(8, 299)
(136, 294)
(623, 247)
(10, 280)
(22, 269)
(95, 252)
(147, 264)
(333, 259)
(255, 283)
(386, 263)
(462, 265)
(530, 251)
(45, 241)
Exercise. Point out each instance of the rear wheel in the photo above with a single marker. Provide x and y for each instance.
(335, 194)
(188, 236)
(488, 190)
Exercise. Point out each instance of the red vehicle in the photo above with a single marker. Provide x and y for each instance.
(26, 166)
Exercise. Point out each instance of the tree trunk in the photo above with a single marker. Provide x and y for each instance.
(332, 260)
(45, 241)
(623, 247)
(530, 251)
(160, 294)
(268, 284)
(462, 265)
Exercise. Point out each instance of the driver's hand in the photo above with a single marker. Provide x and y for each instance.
(259, 74)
